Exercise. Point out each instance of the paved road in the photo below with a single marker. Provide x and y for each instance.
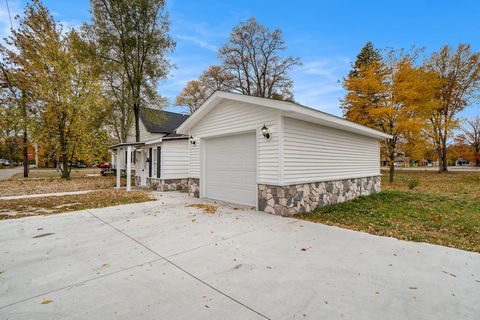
(164, 260)
(7, 173)
(450, 169)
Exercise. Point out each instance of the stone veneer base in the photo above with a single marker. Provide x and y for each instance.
(300, 198)
(190, 185)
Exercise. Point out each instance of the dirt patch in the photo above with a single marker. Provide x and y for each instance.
(207, 208)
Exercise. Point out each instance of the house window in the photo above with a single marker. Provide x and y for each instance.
(154, 162)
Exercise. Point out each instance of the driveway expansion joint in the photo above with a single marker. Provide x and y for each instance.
(180, 268)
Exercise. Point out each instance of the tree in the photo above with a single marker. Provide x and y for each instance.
(19, 105)
(368, 56)
(133, 34)
(459, 73)
(251, 64)
(471, 137)
(196, 92)
(252, 57)
(62, 75)
(118, 99)
(390, 96)
(192, 96)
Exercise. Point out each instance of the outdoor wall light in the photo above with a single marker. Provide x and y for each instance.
(266, 132)
(192, 140)
(148, 160)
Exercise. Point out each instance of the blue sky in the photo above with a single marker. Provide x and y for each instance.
(326, 35)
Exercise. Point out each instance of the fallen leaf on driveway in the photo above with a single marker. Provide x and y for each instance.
(412, 288)
(43, 235)
(207, 208)
(47, 301)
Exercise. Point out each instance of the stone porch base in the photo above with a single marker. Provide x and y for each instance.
(300, 198)
(190, 185)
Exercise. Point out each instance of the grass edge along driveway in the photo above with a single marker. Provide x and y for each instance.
(443, 209)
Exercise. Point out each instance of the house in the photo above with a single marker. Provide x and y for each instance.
(160, 160)
(280, 157)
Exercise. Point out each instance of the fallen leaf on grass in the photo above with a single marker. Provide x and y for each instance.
(207, 208)
(47, 301)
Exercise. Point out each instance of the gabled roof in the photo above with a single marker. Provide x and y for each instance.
(288, 109)
(159, 121)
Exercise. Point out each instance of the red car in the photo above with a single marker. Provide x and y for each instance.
(104, 165)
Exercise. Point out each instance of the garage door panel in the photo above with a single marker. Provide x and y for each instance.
(230, 168)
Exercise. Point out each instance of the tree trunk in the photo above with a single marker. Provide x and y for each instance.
(65, 171)
(10, 152)
(440, 159)
(25, 153)
(392, 172)
(444, 163)
(136, 112)
(477, 157)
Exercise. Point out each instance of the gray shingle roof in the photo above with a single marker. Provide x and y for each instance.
(159, 121)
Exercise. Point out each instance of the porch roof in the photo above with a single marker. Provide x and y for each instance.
(126, 144)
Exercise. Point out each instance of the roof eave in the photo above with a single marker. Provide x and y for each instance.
(286, 107)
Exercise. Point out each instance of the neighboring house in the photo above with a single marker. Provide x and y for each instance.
(461, 162)
(160, 160)
(279, 157)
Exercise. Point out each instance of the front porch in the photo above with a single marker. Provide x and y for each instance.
(160, 164)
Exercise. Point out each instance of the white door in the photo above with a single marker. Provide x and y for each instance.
(230, 169)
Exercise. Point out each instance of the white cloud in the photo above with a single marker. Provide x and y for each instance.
(317, 83)
(198, 41)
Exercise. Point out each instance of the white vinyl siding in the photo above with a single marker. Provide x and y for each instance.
(313, 153)
(231, 117)
(195, 160)
(175, 159)
(144, 134)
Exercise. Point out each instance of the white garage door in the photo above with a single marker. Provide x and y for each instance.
(230, 169)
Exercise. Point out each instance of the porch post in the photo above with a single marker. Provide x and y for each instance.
(129, 168)
(117, 167)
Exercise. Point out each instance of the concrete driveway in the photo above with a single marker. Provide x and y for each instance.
(163, 260)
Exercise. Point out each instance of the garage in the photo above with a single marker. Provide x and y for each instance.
(295, 159)
(230, 169)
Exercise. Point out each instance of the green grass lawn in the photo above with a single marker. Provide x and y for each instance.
(443, 209)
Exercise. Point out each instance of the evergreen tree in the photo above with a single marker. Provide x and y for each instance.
(367, 55)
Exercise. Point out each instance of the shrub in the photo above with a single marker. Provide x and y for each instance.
(412, 183)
